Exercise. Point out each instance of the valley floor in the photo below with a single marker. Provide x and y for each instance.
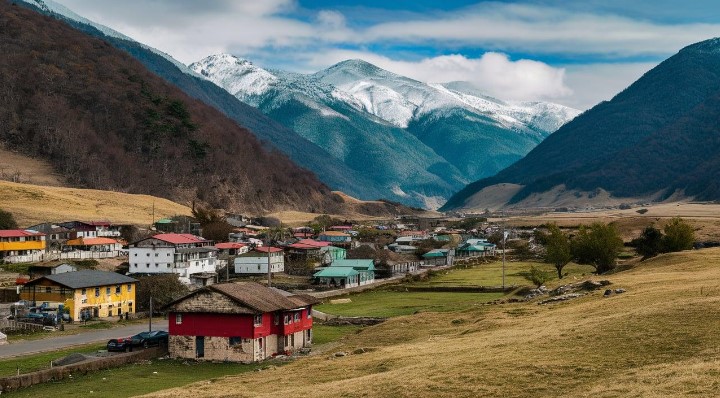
(658, 339)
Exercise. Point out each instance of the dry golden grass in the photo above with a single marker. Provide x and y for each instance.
(658, 339)
(26, 169)
(32, 204)
(705, 218)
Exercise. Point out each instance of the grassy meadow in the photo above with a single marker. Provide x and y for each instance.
(659, 339)
(32, 204)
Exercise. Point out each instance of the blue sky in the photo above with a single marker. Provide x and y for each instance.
(575, 53)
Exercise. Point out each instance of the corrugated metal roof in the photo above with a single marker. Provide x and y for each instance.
(336, 272)
(263, 249)
(178, 239)
(17, 233)
(91, 241)
(86, 278)
(230, 245)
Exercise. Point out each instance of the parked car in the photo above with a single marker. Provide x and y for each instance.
(150, 339)
(121, 344)
(143, 339)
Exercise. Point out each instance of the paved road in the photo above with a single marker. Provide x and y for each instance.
(54, 343)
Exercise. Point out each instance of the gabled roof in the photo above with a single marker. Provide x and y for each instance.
(264, 249)
(436, 253)
(178, 239)
(18, 233)
(255, 296)
(312, 242)
(85, 278)
(358, 264)
(230, 245)
(91, 241)
(336, 272)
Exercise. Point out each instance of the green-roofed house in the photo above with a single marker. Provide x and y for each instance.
(476, 248)
(347, 273)
(439, 257)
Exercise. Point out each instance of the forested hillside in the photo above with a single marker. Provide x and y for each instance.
(104, 121)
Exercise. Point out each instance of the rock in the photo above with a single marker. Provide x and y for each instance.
(340, 354)
(359, 351)
(591, 285)
(605, 282)
(620, 290)
(340, 301)
(608, 293)
(563, 297)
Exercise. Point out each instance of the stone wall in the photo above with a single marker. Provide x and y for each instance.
(216, 349)
(13, 383)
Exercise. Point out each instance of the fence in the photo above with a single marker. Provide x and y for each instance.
(13, 383)
(15, 325)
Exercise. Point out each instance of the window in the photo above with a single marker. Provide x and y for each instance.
(277, 318)
(147, 265)
(97, 292)
(83, 301)
(309, 312)
(129, 287)
(84, 291)
(286, 320)
(48, 289)
(117, 289)
(297, 317)
(260, 343)
(258, 320)
(135, 254)
(168, 254)
(235, 341)
(156, 254)
(148, 254)
(178, 319)
(287, 341)
(107, 290)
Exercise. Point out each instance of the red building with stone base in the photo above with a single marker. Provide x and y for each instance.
(239, 322)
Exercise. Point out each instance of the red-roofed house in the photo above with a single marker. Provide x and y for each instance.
(256, 261)
(232, 248)
(21, 246)
(81, 248)
(191, 257)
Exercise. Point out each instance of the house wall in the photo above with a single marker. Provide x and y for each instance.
(149, 260)
(258, 265)
(75, 301)
(209, 324)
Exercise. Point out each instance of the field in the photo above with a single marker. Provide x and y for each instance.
(31, 204)
(658, 339)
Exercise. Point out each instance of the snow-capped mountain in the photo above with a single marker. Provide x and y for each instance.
(449, 132)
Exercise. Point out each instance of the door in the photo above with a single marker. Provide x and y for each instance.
(199, 346)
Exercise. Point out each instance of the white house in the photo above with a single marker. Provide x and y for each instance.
(256, 261)
(191, 257)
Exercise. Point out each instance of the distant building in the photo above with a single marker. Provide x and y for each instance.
(256, 261)
(39, 270)
(21, 246)
(191, 257)
(347, 273)
(439, 257)
(239, 322)
(337, 238)
(476, 248)
(86, 293)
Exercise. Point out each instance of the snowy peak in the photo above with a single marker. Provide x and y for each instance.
(238, 76)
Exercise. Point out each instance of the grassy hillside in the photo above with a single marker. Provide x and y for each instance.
(32, 204)
(658, 339)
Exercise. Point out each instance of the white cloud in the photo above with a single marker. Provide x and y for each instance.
(592, 83)
(493, 73)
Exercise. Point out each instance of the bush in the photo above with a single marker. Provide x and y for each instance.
(598, 245)
(537, 276)
(679, 235)
(7, 221)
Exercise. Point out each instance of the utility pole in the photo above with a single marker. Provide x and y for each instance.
(151, 311)
(502, 214)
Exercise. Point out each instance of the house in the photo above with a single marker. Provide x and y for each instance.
(80, 229)
(404, 267)
(476, 248)
(21, 246)
(402, 249)
(347, 273)
(91, 248)
(56, 235)
(226, 249)
(239, 322)
(336, 238)
(38, 270)
(256, 261)
(85, 294)
(439, 257)
(332, 253)
(191, 257)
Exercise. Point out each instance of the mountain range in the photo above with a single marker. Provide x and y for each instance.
(362, 130)
(655, 140)
(419, 141)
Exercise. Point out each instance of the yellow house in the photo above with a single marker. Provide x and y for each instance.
(86, 294)
(17, 245)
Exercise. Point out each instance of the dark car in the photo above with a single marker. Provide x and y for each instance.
(121, 344)
(150, 339)
(143, 339)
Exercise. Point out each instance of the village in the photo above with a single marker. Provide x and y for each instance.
(245, 299)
